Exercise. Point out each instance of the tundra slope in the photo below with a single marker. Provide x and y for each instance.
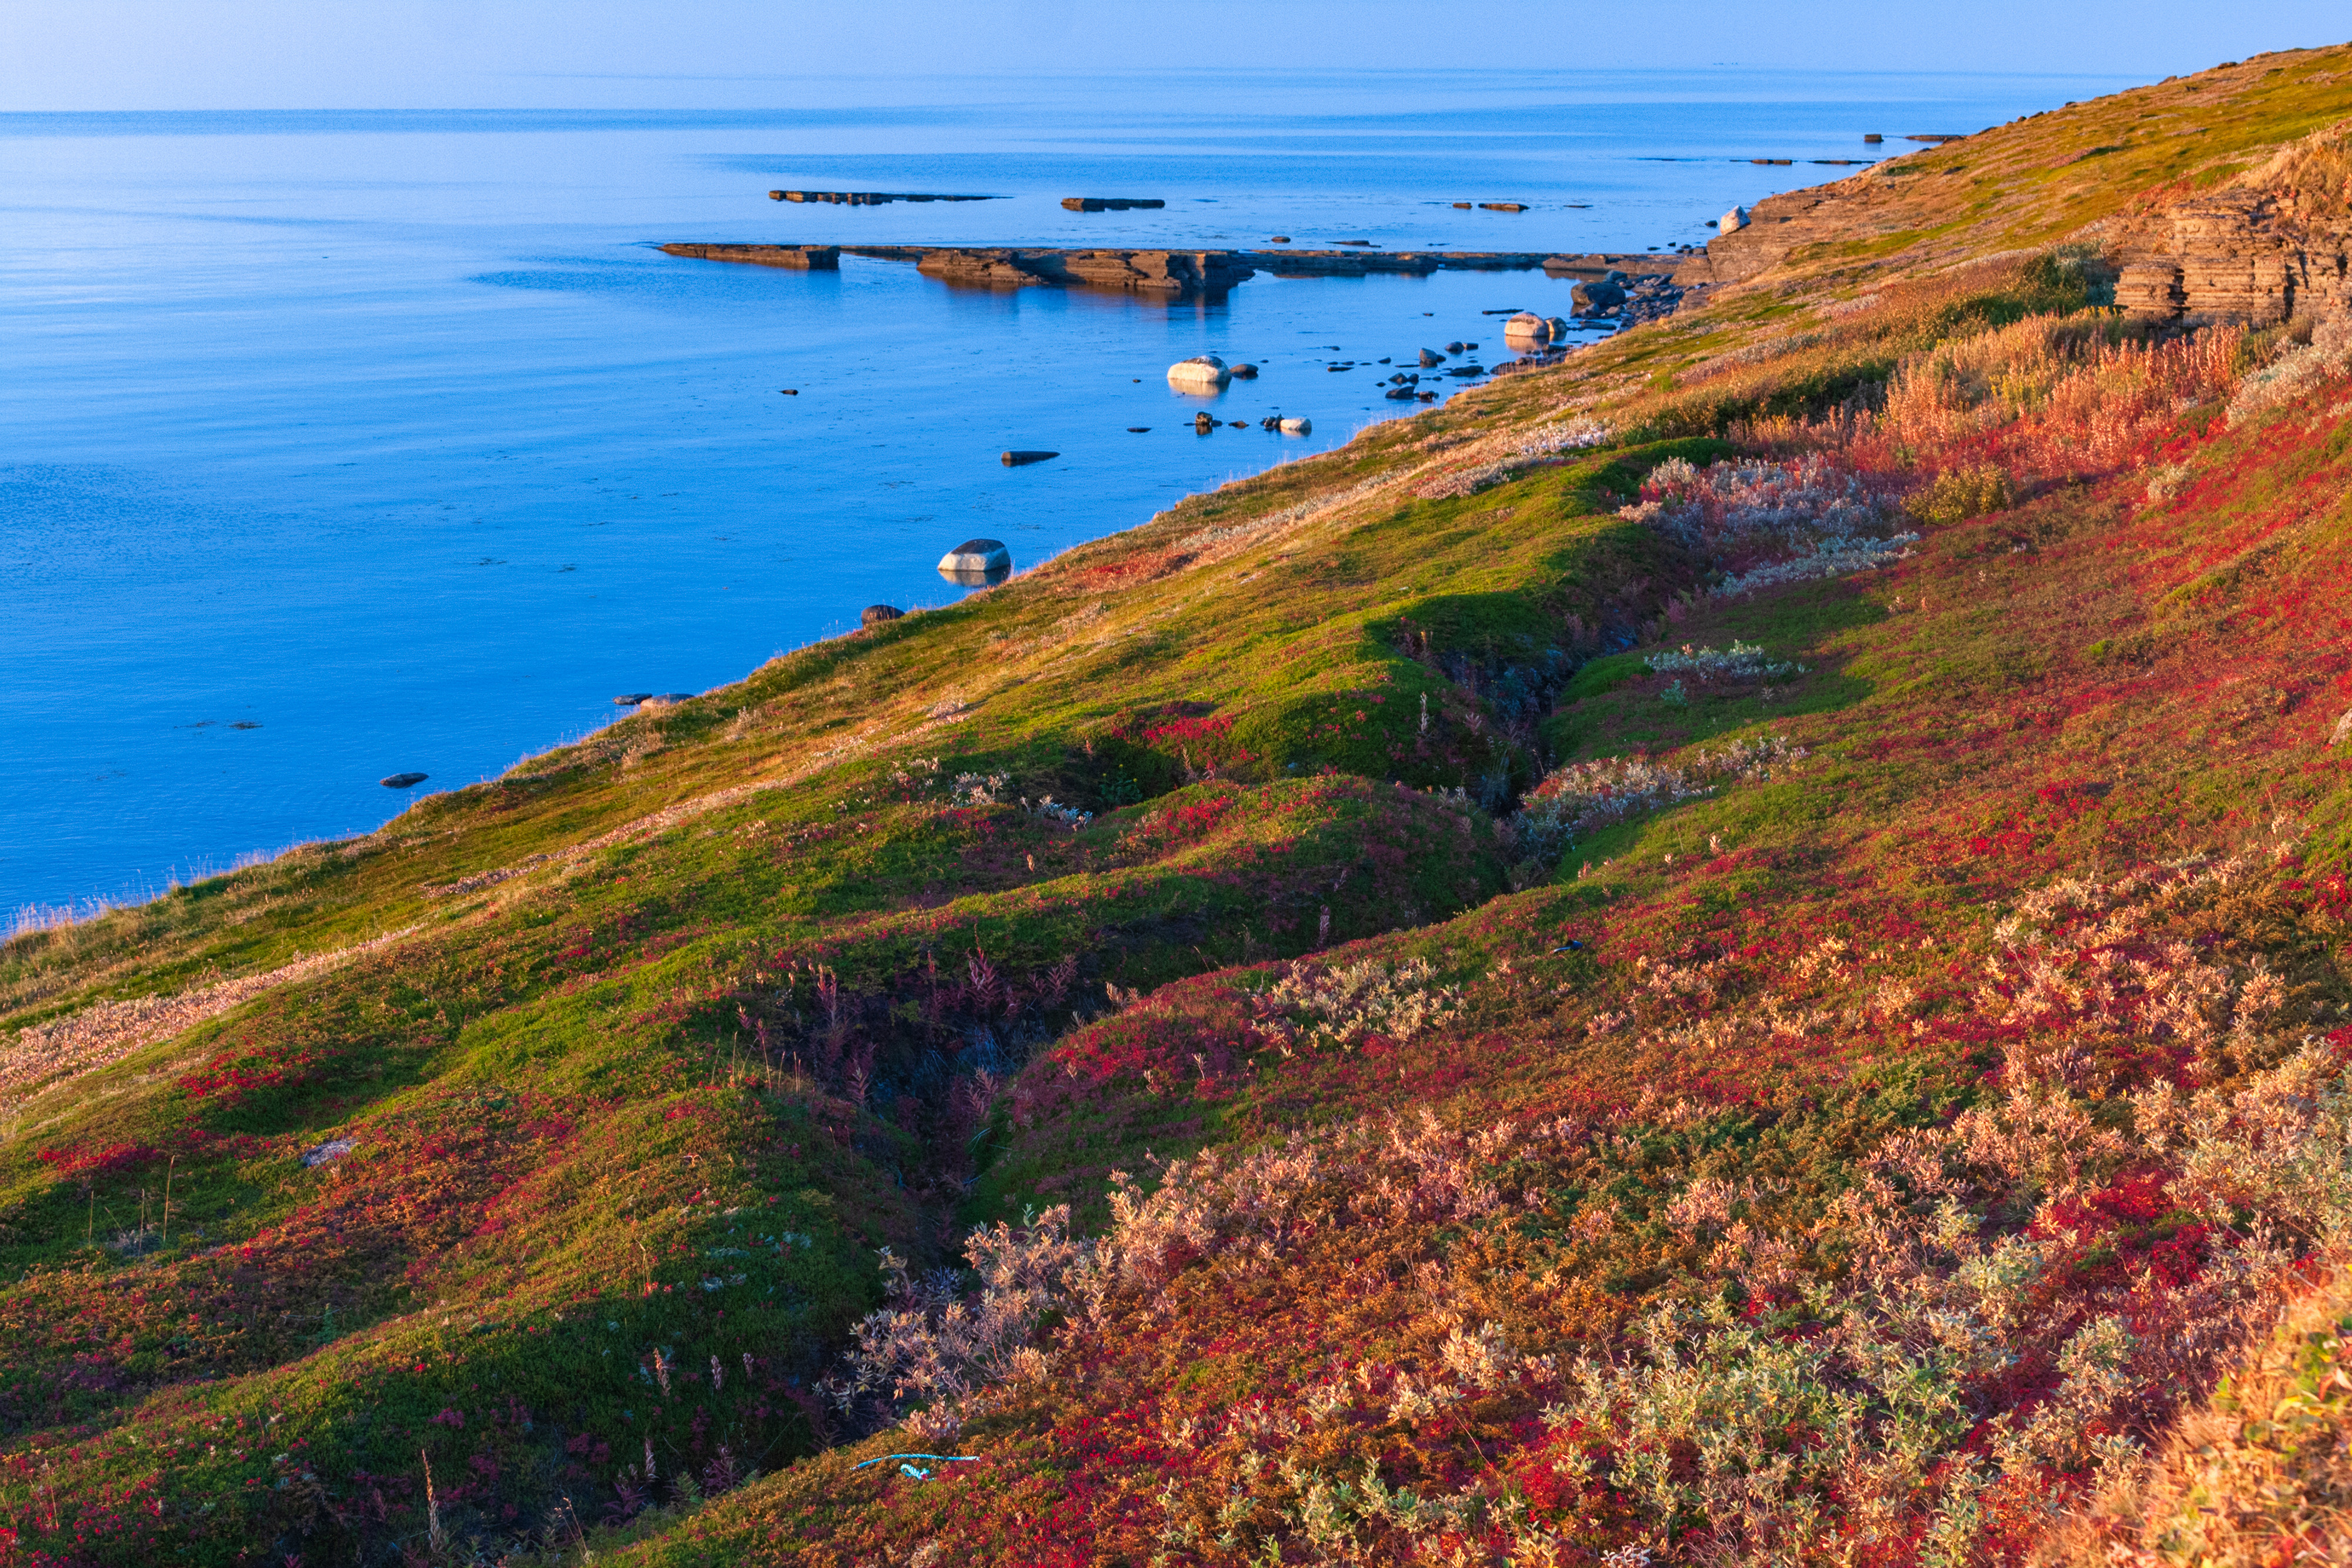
(1732, 952)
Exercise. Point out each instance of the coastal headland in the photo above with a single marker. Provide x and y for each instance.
(1175, 272)
(1735, 950)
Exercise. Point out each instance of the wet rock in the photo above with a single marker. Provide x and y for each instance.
(1204, 423)
(977, 555)
(1021, 459)
(401, 780)
(1199, 372)
(1591, 298)
(1453, 348)
(879, 614)
(1429, 359)
(1239, 423)
(1139, 429)
(1245, 373)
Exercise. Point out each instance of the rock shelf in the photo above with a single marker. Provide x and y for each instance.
(1164, 271)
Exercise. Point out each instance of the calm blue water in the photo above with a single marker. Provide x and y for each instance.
(336, 445)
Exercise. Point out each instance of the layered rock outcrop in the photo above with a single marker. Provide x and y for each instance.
(2275, 245)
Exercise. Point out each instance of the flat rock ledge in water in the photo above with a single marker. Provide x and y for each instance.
(401, 780)
(1173, 272)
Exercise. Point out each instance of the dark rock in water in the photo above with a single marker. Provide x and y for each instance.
(1502, 206)
(1109, 204)
(1204, 423)
(1279, 239)
(1139, 429)
(1428, 397)
(401, 780)
(1401, 394)
(789, 392)
(977, 555)
(1469, 348)
(868, 198)
(1874, 136)
(631, 699)
(1587, 298)
(1468, 371)
(1450, 348)
(1245, 373)
(1238, 423)
(1463, 206)
(1430, 359)
(1016, 459)
(879, 614)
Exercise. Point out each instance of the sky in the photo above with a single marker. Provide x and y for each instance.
(692, 54)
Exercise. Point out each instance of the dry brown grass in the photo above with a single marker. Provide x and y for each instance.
(2262, 1474)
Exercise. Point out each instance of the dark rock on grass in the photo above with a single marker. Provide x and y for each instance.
(879, 614)
(1021, 459)
(401, 780)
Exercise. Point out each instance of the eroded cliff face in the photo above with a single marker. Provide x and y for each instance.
(2273, 245)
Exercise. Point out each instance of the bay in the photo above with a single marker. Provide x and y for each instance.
(339, 443)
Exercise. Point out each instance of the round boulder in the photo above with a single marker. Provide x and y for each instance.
(879, 614)
(1202, 372)
(1299, 426)
(1527, 327)
(977, 555)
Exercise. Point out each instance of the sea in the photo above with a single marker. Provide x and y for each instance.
(338, 445)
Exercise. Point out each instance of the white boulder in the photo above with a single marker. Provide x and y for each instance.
(1202, 371)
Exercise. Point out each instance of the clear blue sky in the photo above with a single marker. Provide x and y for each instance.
(686, 54)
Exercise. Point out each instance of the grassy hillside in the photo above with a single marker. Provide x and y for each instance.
(1734, 952)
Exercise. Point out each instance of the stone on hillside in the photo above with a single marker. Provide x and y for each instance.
(1736, 218)
(879, 614)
